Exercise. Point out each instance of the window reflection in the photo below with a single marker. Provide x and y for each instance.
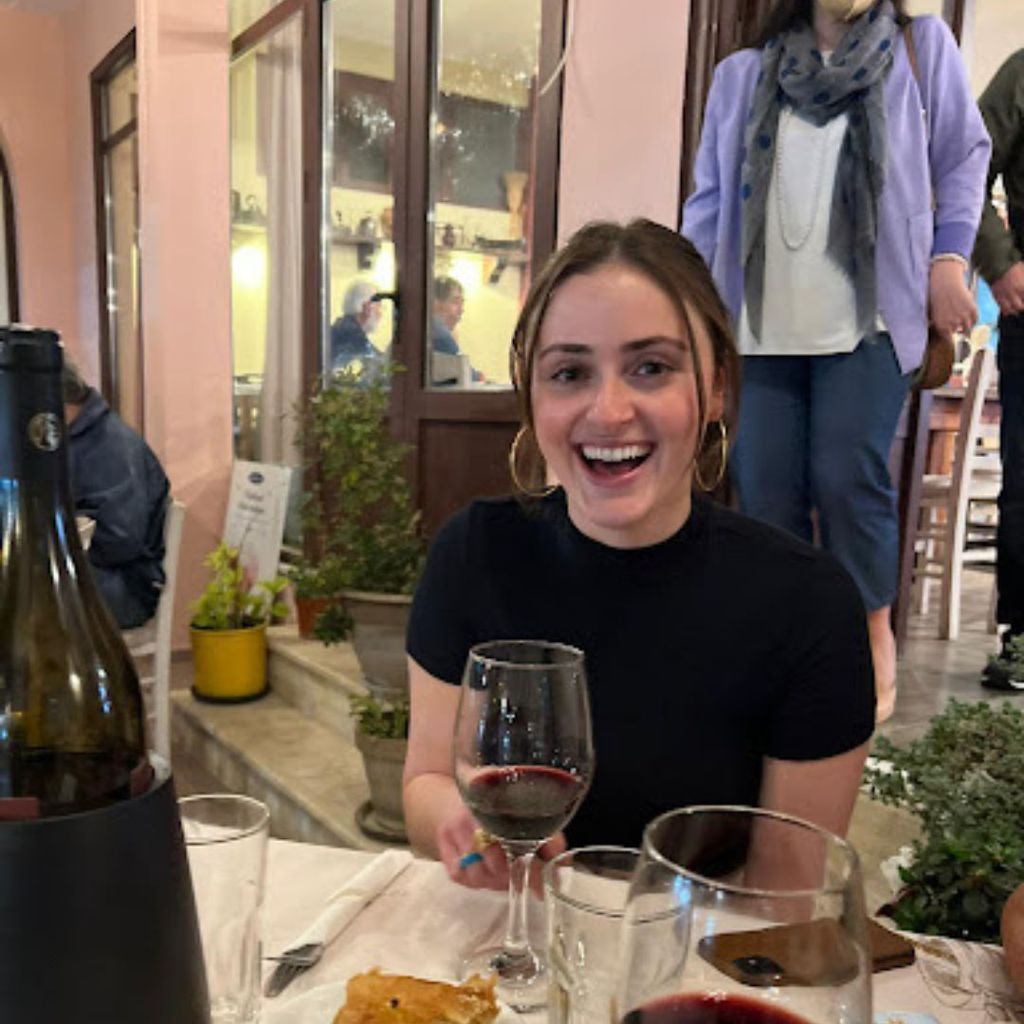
(266, 243)
(482, 143)
(359, 58)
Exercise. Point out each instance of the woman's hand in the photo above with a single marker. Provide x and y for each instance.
(456, 838)
(951, 307)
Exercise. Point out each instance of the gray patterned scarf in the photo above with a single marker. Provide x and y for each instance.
(793, 72)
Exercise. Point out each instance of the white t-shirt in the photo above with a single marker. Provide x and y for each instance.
(809, 304)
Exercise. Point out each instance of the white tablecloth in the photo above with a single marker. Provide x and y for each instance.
(423, 924)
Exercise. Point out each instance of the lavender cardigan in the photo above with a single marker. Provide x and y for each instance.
(951, 140)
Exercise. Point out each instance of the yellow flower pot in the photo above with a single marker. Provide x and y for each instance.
(230, 664)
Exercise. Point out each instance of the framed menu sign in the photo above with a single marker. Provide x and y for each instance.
(257, 506)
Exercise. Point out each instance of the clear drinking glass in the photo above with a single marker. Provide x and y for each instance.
(523, 758)
(226, 838)
(585, 891)
(742, 915)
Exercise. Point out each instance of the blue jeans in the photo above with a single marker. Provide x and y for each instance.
(815, 433)
(1010, 545)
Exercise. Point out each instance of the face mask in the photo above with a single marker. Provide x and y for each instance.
(845, 10)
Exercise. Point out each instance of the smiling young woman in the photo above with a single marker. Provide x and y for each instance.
(615, 404)
(728, 662)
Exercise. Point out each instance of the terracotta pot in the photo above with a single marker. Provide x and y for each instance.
(307, 611)
(378, 636)
(384, 762)
(230, 664)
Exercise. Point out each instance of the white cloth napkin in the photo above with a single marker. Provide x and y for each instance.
(347, 901)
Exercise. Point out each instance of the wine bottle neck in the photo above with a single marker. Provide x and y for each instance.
(33, 437)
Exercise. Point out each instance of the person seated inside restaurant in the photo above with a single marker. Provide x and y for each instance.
(117, 482)
(728, 661)
(449, 303)
(350, 341)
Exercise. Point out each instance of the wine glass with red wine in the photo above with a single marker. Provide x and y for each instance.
(523, 759)
(744, 916)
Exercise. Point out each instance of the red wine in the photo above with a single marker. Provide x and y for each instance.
(699, 1008)
(528, 802)
(71, 721)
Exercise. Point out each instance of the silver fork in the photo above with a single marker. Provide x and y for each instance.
(290, 964)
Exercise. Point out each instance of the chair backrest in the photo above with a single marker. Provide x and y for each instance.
(173, 524)
(982, 364)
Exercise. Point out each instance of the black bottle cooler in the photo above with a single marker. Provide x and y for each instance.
(97, 918)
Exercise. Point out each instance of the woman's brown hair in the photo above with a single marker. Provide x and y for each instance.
(669, 261)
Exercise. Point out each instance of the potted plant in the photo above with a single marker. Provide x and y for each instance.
(316, 588)
(962, 780)
(382, 730)
(359, 511)
(229, 630)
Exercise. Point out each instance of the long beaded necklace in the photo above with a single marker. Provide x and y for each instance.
(792, 240)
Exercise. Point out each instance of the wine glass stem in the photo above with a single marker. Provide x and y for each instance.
(520, 856)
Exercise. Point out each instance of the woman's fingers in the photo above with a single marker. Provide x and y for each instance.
(468, 860)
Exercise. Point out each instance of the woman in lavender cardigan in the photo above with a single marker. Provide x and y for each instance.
(836, 202)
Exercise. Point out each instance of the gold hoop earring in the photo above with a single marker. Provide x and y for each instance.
(723, 440)
(513, 454)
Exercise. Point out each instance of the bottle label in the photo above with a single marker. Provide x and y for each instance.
(19, 808)
(45, 431)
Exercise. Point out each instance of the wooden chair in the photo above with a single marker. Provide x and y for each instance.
(152, 640)
(946, 502)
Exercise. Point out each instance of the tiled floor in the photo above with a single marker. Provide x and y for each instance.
(932, 670)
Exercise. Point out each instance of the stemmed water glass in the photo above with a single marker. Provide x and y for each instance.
(523, 759)
(742, 915)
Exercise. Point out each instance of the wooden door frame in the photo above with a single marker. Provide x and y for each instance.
(310, 13)
(122, 53)
(413, 402)
(10, 240)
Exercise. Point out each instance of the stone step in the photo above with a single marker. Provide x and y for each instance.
(309, 775)
(316, 680)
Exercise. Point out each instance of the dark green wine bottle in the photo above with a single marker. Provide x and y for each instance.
(72, 734)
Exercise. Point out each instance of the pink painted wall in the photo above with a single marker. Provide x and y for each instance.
(91, 31)
(33, 132)
(622, 112)
(182, 48)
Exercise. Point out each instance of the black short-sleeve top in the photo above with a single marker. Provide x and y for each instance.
(729, 642)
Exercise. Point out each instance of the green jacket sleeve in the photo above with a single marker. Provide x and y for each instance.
(1002, 107)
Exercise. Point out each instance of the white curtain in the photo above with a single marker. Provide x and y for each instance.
(281, 105)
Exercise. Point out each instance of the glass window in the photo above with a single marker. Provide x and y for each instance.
(121, 99)
(266, 243)
(115, 105)
(359, 147)
(123, 277)
(483, 123)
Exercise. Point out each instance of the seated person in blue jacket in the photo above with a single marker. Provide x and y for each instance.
(350, 340)
(449, 302)
(728, 661)
(118, 482)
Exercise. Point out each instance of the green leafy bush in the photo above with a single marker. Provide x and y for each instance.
(324, 578)
(962, 779)
(333, 625)
(385, 719)
(358, 508)
(231, 601)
